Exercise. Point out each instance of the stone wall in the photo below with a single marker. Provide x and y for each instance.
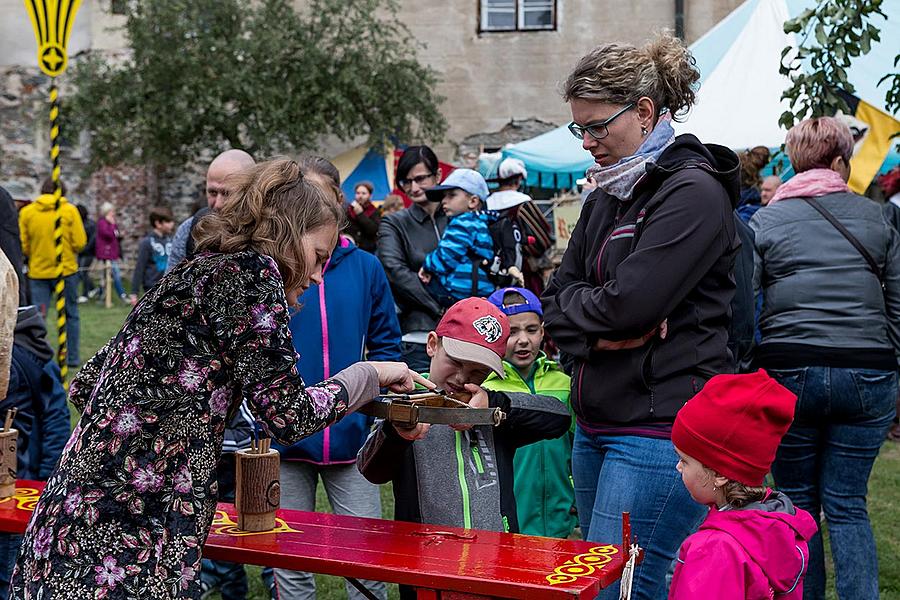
(25, 162)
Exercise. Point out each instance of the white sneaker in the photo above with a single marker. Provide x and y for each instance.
(82, 299)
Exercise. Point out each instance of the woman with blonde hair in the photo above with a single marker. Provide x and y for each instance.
(641, 299)
(128, 509)
(828, 268)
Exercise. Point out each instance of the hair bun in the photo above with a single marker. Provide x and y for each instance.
(677, 69)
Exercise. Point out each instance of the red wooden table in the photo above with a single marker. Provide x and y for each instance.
(443, 562)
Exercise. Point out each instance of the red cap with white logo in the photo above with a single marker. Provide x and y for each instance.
(475, 330)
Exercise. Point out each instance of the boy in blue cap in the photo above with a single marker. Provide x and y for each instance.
(453, 271)
(542, 482)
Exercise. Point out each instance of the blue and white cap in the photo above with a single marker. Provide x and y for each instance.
(467, 180)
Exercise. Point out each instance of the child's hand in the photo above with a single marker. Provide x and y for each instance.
(516, 274)
(424, 276)
(416, 433)
(479, 400)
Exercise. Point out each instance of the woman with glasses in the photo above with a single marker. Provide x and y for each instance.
(404, 239)
(641, 299)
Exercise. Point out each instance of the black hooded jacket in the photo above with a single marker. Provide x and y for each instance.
(667, 254)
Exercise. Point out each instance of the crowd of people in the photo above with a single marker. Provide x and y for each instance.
(723, 363)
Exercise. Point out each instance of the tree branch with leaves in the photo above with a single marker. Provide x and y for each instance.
(203, 74)
(830, 36)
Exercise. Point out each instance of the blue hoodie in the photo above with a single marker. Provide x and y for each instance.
(350, 316)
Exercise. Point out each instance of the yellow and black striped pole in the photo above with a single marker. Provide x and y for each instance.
(60, 286)
(52, 22)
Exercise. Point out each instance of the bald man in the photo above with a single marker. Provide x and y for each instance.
(768, 187)
(222, 166)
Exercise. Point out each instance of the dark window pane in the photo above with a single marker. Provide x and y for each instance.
(498, 14)
(537, 14)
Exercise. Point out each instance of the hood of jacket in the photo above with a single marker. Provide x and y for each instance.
(771, 532)
(46, 202)
(688, 152)
(344, 248)
(31, 332)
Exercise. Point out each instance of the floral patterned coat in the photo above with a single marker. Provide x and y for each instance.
(128, 509)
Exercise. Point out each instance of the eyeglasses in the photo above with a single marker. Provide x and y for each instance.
(418, 180)
(598, 129)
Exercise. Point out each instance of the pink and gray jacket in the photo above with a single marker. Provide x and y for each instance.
(755, 553)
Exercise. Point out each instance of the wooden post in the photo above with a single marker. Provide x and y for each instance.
(258, 489)
(8, 462)
(108, 276)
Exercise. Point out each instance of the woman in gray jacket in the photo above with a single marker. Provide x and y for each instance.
(828, 266)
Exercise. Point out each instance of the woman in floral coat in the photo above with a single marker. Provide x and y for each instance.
(128, 509)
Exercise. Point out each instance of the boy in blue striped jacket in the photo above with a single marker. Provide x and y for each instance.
(452, 271)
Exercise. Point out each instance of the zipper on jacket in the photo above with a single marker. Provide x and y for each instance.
(479, 466)
(463, 487)
(647, 377)
(437, 233)
(326, 359)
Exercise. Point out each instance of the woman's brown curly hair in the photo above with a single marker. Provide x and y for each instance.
(663, 70)
(270, 208)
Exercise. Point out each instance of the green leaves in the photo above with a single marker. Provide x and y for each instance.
(829, 37)
(203, 74)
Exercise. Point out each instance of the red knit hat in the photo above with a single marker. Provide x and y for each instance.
(734, 425)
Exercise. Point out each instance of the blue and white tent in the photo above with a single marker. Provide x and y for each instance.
(739, 100)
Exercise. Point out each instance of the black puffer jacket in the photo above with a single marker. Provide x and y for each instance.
(404, 239)
(668, 253)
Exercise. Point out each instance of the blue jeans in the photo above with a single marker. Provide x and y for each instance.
(42, 297)
(615, 474)
(9, 548)
(116, 277)
(824, 462)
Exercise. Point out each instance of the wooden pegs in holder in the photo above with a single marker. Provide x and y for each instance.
(9, 438)
(258, 488)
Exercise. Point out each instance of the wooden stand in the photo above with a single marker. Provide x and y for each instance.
(8, 462)
(258, 489)
(108, 277)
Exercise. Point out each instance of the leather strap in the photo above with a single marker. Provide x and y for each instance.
(850, 238)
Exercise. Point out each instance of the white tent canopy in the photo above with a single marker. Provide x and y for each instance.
(739, 101)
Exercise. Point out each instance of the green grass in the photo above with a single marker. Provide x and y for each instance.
(99, 324)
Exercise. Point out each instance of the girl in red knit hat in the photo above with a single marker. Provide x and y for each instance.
(753, 542)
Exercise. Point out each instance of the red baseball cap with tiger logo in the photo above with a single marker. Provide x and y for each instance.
(475, 330)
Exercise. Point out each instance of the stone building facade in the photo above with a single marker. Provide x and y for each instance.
(498, 61)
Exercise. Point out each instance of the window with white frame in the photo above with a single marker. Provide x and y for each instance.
(518, 15)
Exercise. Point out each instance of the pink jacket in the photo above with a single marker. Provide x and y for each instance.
(107, 244)
(755, 553)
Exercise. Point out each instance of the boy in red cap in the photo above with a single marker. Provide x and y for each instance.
(463, 476)
(753, 543)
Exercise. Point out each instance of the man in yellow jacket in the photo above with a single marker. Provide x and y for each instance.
(36, 226)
